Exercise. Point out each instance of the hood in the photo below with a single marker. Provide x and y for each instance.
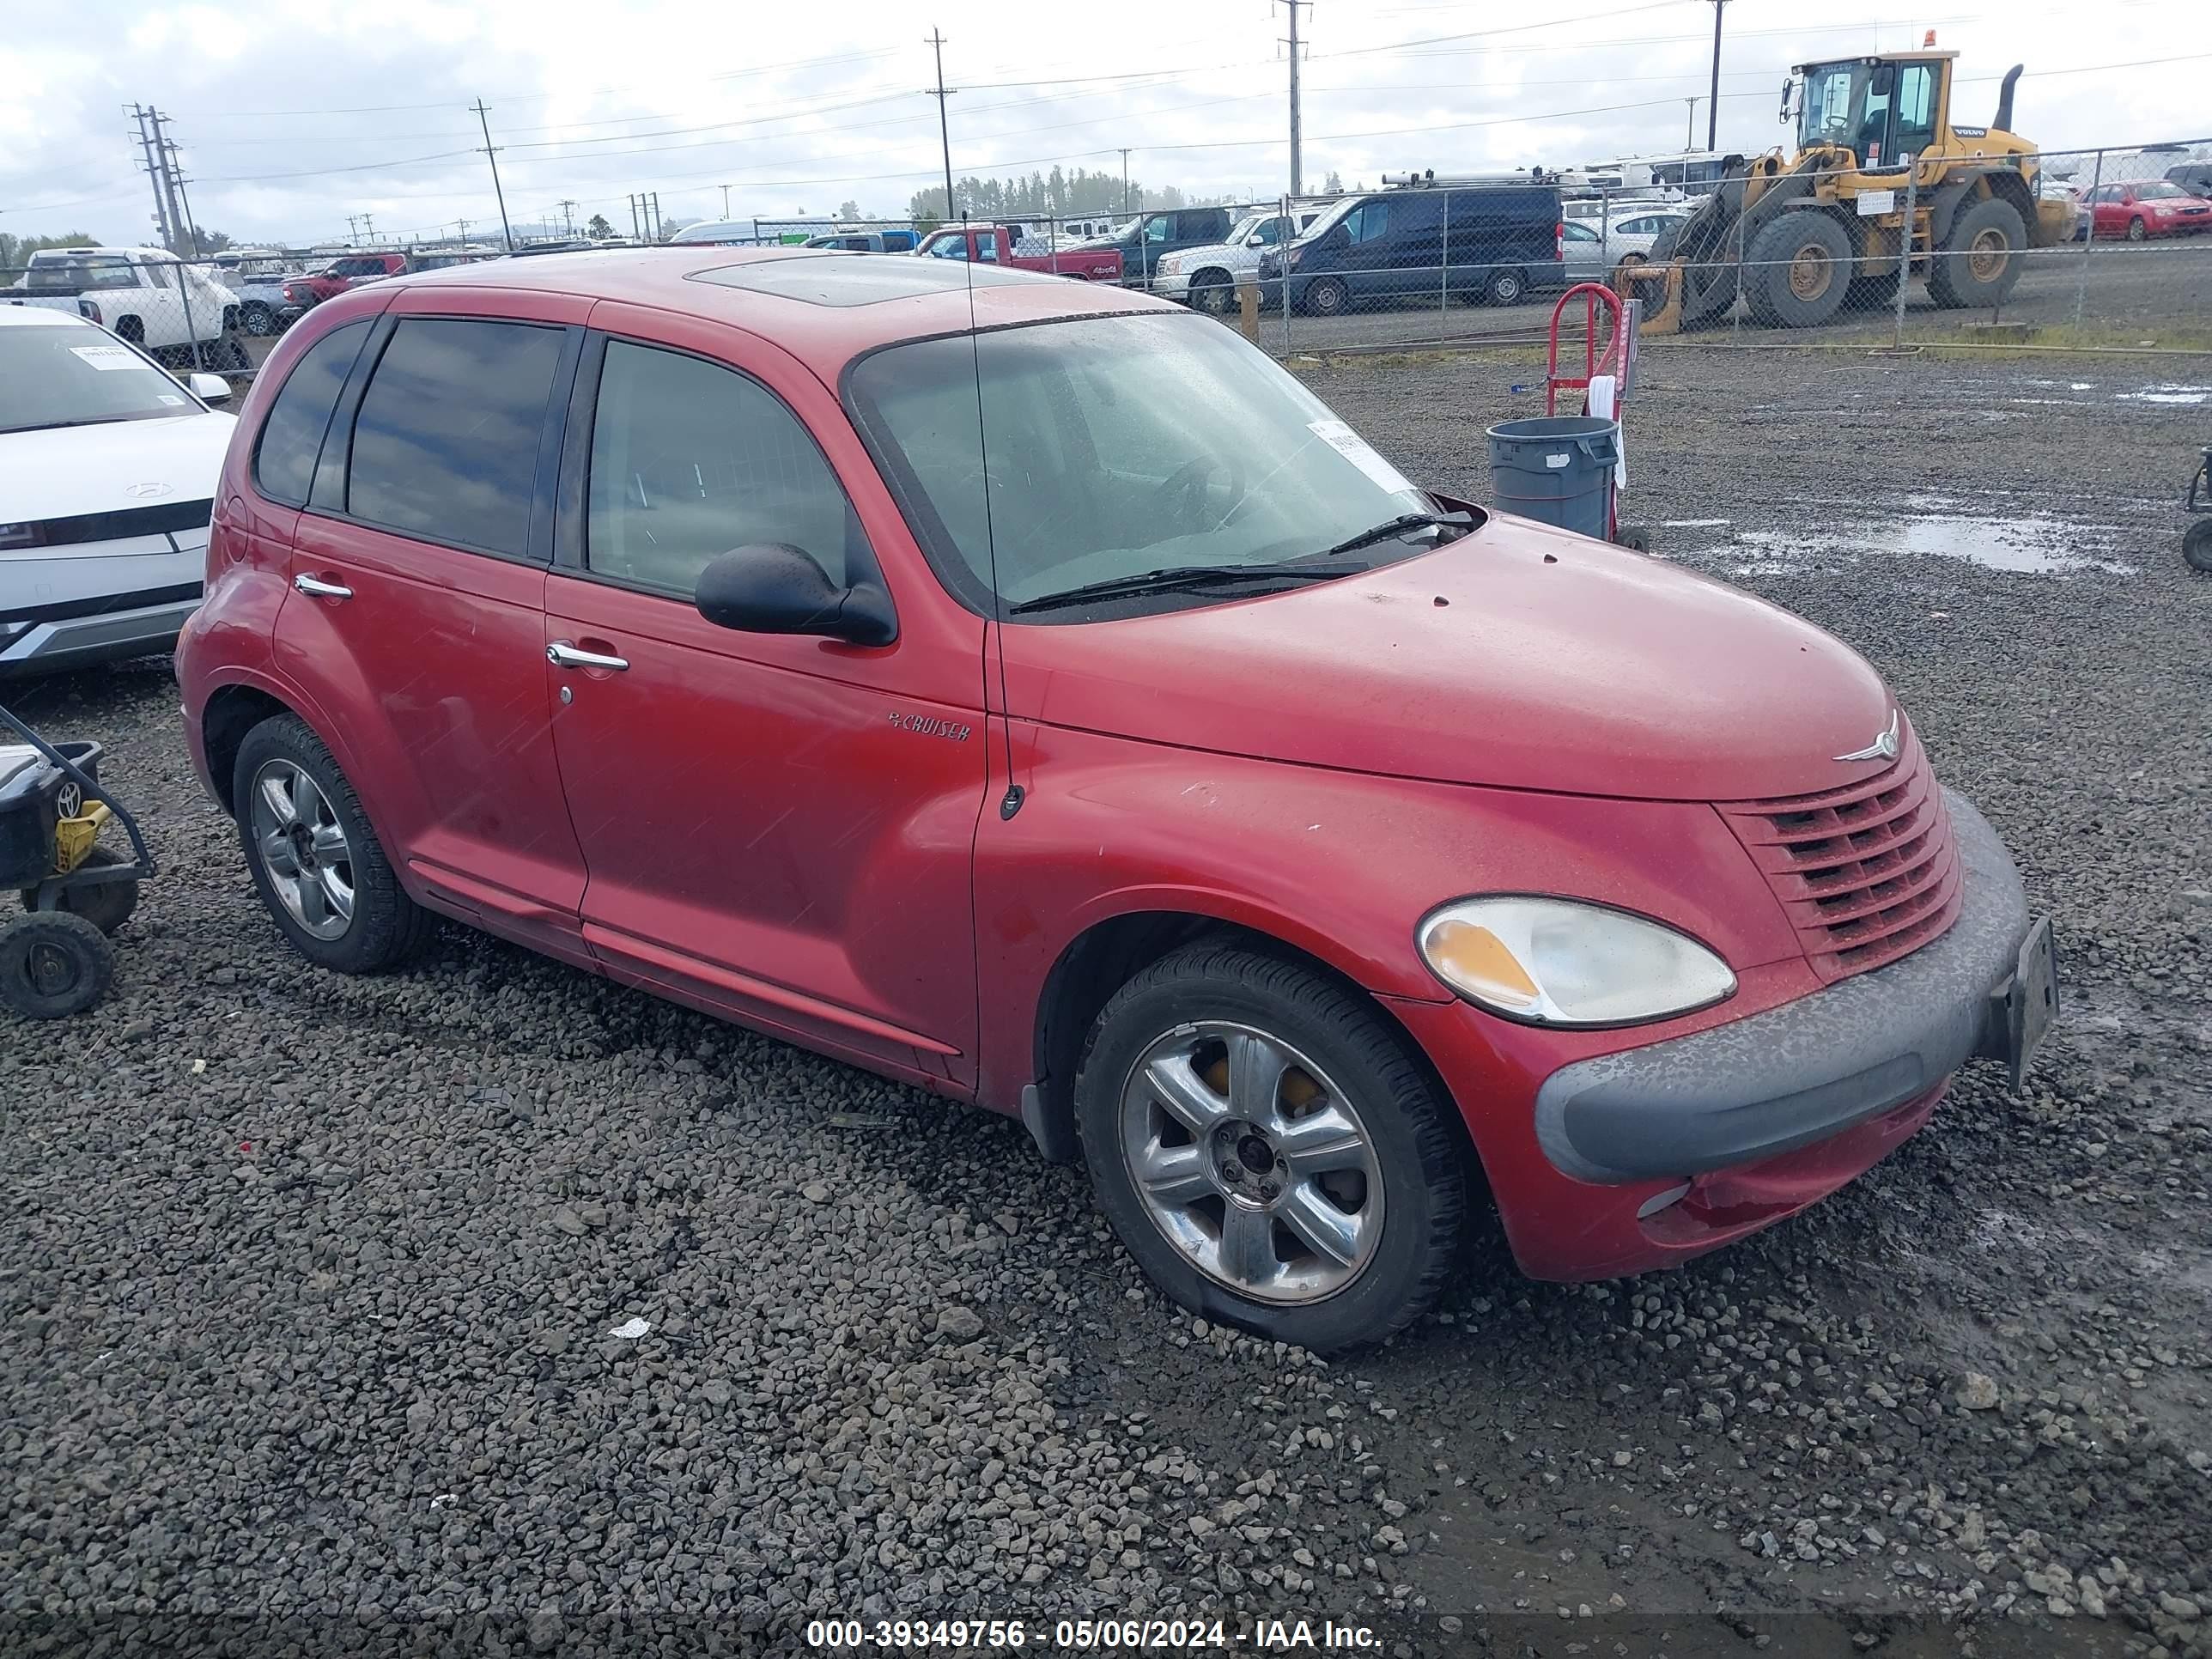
(67, 471)
(1519, 656)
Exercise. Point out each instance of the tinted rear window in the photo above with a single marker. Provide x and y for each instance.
(292, 436)
(445, 445)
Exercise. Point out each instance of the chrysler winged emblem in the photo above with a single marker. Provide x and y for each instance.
(1884, 747)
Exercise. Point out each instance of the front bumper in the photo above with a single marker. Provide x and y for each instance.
(1650, 1156)
(132, 631)
(1172, 285)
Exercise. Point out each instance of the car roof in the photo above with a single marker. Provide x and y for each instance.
(825, 308)
(13, 316)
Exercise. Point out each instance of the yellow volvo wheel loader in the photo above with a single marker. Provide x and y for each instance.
(1803, 238)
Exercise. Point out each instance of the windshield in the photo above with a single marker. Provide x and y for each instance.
(1116, 447)
(1835, 101)
(81, 272)
(67, 376)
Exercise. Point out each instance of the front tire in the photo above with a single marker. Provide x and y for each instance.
(315, 859)
(53, 963)
(1799, 269)
(2137, 230)
(260, 321)
(1505, 288)
(1267, 1149)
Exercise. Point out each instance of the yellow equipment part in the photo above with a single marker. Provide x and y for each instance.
(73, 837)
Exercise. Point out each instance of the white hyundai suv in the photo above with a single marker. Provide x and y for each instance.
(108, 473)
(1207, 277)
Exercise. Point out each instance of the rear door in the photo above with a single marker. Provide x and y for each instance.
(777, 828)
(417, 619)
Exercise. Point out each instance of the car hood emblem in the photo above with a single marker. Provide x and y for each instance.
(1884, 747)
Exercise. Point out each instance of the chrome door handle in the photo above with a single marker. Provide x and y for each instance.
(321, 590)
(561, 655)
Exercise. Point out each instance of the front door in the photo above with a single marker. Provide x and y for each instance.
(417, 614)
(776, 827)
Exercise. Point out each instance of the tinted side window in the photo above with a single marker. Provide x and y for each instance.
(445, 445)
(292, 436)
(690, 459)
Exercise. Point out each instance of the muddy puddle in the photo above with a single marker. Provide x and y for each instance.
(2029, 543)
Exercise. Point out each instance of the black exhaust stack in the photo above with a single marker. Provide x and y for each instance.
(2003, 123)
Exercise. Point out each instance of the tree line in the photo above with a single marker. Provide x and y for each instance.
(1080, 194)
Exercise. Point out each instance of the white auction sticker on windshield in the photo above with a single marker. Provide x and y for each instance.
(105, 356)
(1356, 449)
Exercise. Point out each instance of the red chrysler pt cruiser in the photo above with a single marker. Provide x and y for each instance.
(1028, 691)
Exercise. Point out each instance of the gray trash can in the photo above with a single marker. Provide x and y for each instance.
(1558, 469)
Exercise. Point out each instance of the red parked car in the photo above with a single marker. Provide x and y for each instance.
(1031, 692)
(2139, 211)
(994, 245)
(348, 271)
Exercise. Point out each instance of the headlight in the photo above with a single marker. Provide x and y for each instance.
(1556, 962)
(1171, 264)
(1290, 260)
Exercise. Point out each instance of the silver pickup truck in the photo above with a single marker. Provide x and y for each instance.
(147, 296)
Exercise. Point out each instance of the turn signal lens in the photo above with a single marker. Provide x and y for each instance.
(1558, 961)
(1475, 961)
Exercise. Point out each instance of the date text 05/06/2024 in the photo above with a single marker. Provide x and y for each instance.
(1089, 1634)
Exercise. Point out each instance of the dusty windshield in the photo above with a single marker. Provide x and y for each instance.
(1835, 96)
(1118, 448)
(65, 376)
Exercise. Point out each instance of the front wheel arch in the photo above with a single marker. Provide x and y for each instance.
(1110, 952)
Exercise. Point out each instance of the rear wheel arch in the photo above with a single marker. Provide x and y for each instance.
(1107, 955)
(231, 711)
(132, 329)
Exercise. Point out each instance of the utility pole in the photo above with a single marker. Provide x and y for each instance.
(941, 92)
(491, 155)
(726, 201)
(1690, 133)
(155, 175)
(568, 217)
(656, 215)
(1125, 208)
(1298, 164)
(636, 227)
(464, 226)
(368, 225)
(1713, 97)
(181, 213)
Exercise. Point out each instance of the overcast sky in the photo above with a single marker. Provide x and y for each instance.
(291, 119)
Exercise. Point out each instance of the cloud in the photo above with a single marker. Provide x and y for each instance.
(292, 124)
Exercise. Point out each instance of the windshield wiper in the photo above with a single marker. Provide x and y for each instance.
(1185, 577)
(1399, 526)
(56, 426)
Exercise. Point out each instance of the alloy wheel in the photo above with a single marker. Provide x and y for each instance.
(303, 850)
(1252, 1163)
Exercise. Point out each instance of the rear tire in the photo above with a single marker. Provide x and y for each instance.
(382, 927)
(53, 963)
(1799, 269)
(1982, 258)
(1327, 297)
(1341, 1135)
(130, 329)
(2197, 546)
(106, 904)
(258, 320)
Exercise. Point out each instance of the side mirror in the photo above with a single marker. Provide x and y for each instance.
(773, 587)
(1788, 86)
(209, 388)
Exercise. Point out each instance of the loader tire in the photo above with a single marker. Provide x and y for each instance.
(1798, 269)
(1981, 258)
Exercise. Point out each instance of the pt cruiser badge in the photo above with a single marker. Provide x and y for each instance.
(1882, 748)
(929, 727)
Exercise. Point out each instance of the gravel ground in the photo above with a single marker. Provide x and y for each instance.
(321, 1293)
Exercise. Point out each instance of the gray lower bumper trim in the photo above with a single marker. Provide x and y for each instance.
(104, 636)
(1763, 1086)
